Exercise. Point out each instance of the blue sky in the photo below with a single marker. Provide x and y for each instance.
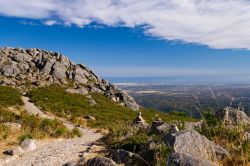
(118, 46)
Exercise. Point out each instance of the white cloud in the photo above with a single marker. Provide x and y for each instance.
(50, 22)
(216, 23)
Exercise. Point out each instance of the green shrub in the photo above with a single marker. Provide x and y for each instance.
(24, 136)
(210, 118)
(132, 143)
(61, 131)
(76, 132)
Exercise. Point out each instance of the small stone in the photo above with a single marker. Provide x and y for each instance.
(28, 145)
(9, 152)
(174, 129)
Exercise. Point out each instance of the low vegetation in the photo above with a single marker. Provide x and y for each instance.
(148, 146)
(9, 97)
(108, 114)
(233, 139)
(30, 126)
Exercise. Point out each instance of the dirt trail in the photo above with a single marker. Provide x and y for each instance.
(58, 152)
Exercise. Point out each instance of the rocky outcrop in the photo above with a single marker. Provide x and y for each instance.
(191, 143)
(232, 117)
(31, 68)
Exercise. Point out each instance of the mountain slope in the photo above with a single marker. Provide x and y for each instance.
(30, 68)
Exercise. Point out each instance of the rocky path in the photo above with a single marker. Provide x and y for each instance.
(59, 152)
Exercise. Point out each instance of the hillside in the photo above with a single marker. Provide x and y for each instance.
(68, 98)
(30, 68)
(55, 112)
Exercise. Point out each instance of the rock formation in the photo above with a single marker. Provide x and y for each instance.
(31, 68)
(232, 117)
(191, 144)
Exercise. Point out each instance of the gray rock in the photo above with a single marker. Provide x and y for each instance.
(47, 67)
(21, 57)
(195, 145)
(231, 117)
(28, 145)
(139, 118)
(101, 161)
(129, 102)
(59, 71)
(92, 102)
(182, 159)
(82, 91)
(18, 151)
(160, 127)
(9, 152)
(23, 66)
(193, 125)
(10, 70)
(13, 126)
(125, 157)
(140, 122)
(81, 79)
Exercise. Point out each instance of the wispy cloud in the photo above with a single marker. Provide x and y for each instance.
(215, 23)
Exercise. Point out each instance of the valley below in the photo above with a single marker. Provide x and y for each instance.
(190, 99)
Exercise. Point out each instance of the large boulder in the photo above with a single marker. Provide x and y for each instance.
(59, 71)
(232, 117)
(10, 70)
(190, 142)
(182, 159)
(101, 161)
